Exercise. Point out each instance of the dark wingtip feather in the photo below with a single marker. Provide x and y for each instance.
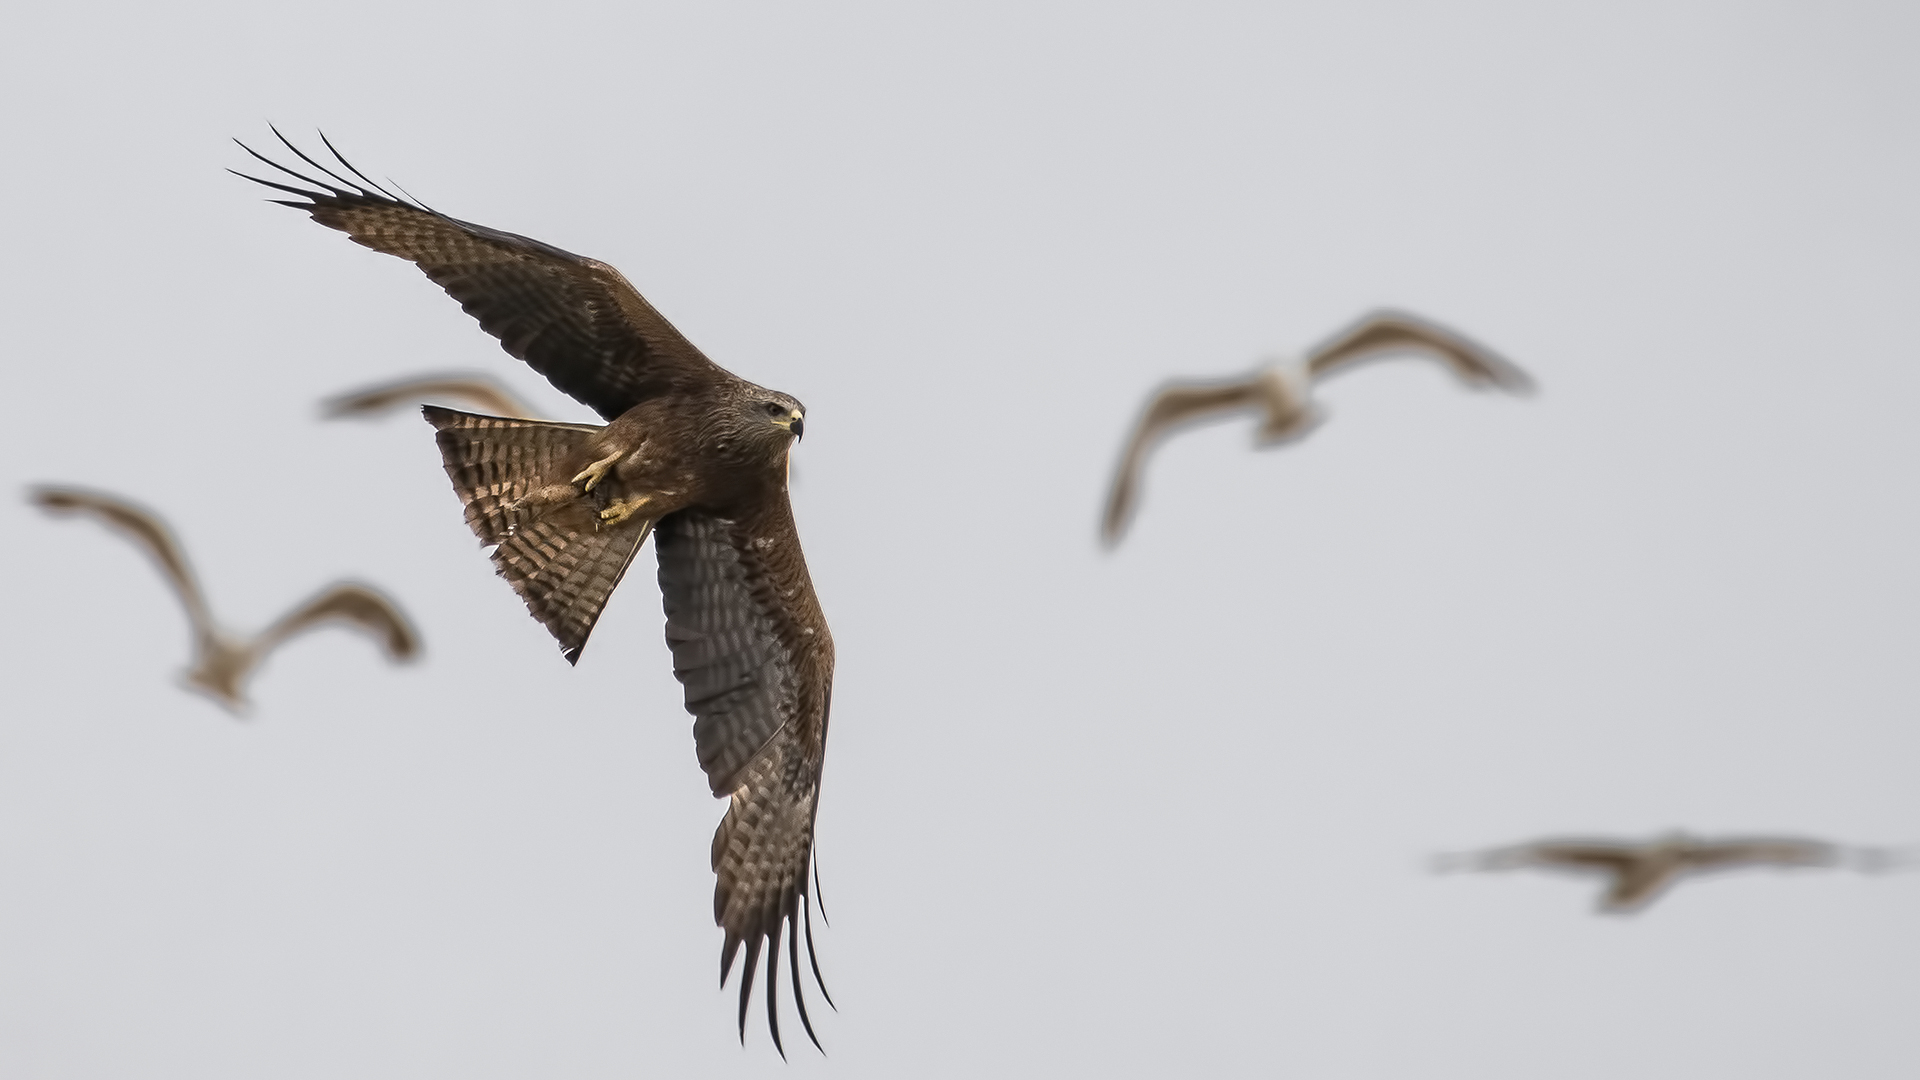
(727, 953)
(341, 158)
(277, 186)
(302, 155)
(813, 955)
(302, 177)
(818, 897)
(793, 973)
(746, 984)
(773, 989)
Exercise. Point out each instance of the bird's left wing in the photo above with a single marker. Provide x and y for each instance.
(1562, 854)
(357, 607)
(575, 320)
(1382, 332)
(146, 529)
(751, 648)
(1171, 406)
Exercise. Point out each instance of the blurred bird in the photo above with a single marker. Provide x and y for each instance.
(1641, 871)
(692, 455)
(222, 663)
(1282, 392)
(481, 392)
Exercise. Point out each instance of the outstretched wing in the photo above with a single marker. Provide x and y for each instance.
(1601, 855)
(145, 529)
(483, 392)
(1382, 332)
(752, 651)
(357, 607)
(1762, 851)
(1171, 406)
(575, 320)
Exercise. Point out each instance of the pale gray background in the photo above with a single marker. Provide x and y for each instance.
(1153, 814)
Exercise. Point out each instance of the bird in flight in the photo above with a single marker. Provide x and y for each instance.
(1281, 392)
(222, 661)
(691, 454)
(483, 392)
(1639, 871)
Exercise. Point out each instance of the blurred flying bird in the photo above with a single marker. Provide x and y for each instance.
(692, 454)
(222, 662)
(1640, 871)
(481, 392)
(1281, 391)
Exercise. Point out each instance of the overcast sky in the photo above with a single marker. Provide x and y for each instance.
(1159, 812)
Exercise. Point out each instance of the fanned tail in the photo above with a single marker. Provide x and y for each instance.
(548, 540)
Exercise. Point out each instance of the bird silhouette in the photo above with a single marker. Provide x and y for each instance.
(1281, 391)
(222, 661)
(1639, 871)
(483, 393)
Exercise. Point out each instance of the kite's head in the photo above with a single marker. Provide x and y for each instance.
(786, 414)
(764, 424)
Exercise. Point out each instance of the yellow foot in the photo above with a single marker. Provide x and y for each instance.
(597, 471)
(621, 509)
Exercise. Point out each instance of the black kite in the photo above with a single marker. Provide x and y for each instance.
(692, 454)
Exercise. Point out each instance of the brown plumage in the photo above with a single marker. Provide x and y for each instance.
(222, 661)
(483, 392)
(692, 455)
(1281, 392)
(1641, 870)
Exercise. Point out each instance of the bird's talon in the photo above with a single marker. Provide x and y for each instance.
(596, 472)
(620, 510)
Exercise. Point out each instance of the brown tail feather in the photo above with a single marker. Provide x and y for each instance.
(511, 475)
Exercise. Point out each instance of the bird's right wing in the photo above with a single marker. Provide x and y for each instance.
(1171, 406)
(145, 529)
(751, 648)
(1762, 851)
(357, 607)
(1382, 332)
(575, 320)
(483, 392)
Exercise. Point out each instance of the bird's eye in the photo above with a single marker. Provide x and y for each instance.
(774, 408)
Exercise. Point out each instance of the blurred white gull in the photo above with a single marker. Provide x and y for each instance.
(1282, 392)
(1641, 870)
(222, 662)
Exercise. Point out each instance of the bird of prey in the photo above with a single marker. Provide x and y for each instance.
(692, 454)
(222, 661)
(1640, 871)
(483, 392)
(1281, 392)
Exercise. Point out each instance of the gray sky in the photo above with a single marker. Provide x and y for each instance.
(1155, 813)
